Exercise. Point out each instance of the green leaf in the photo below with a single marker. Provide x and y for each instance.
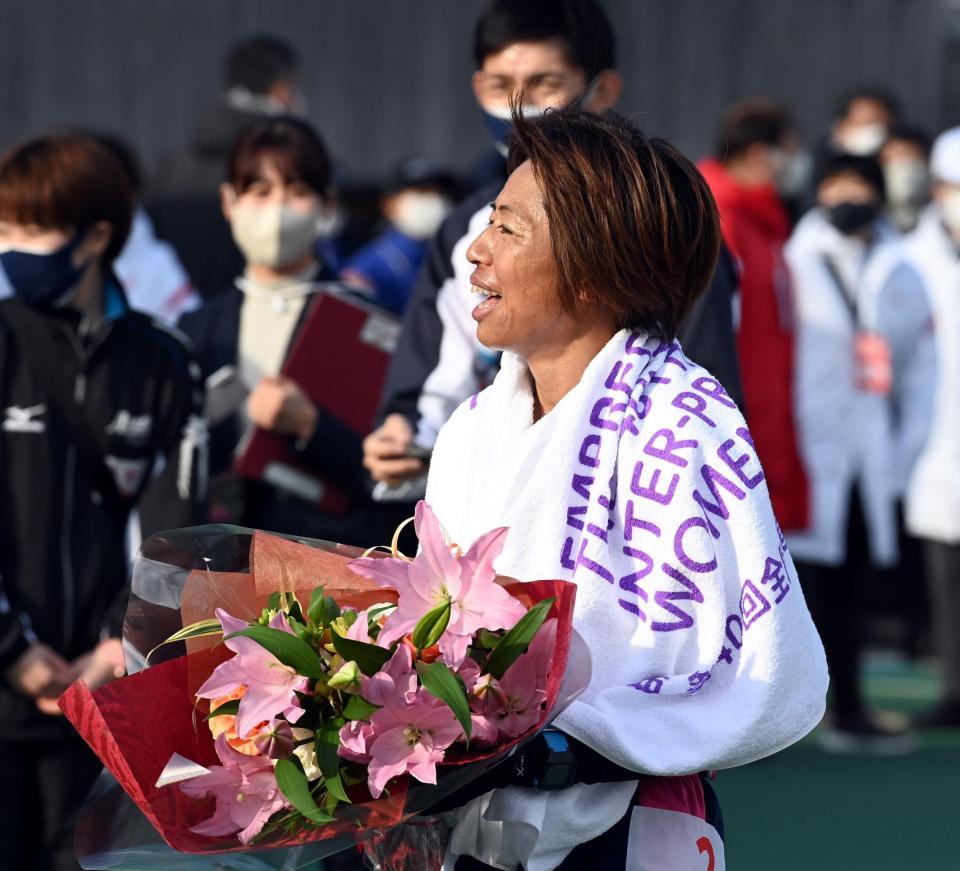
(377, 610)
(439, 681)
(289, 649)
(299, 629)
(328, 761)
(515, 642)
(273, 602)
(322, 610)
(431, 626)
(358, 708)
(232, 708)
(200, 629)
(487, 639)
(295, 611)
(294, 785)
(368, 657)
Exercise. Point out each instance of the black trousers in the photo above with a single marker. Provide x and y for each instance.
(834, 595)
(943, 576)
(42, 788)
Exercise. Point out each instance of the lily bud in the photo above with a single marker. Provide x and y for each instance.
(347, 678)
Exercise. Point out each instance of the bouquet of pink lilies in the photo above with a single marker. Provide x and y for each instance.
(322, 714)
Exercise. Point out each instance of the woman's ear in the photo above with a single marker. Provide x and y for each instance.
(228, 197)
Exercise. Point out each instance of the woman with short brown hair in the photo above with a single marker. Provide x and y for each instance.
(620, 465)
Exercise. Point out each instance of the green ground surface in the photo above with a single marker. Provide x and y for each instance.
(807, 810)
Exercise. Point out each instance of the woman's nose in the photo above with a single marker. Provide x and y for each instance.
(479, 250)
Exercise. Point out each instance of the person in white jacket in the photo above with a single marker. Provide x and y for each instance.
(933, 496)
(865, 372)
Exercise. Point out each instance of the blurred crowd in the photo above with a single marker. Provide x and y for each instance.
(149, 337)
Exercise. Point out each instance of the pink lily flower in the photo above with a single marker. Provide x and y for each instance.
(271, 685)
(409, 738)
(246, 791)
(354, 740)
(515, 702)
(395, 682)
(436, 576)
(523, 699)
(360, 630)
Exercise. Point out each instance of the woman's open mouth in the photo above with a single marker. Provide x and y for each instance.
(490, 301)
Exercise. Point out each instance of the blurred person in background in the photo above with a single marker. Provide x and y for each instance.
(554, 53)
(865, 374)
(904, 158)
(148, 268)
(753, 155)
(418, 197)
(276, 196)
(862, 122)
(262, 81)
(933, 496)
(101, 410)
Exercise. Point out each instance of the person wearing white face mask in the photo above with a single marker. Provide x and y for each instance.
(863, 121)
(933, 495)
(904, 157)
(276, 200)
(418, 198)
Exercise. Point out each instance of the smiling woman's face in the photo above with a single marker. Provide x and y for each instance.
(519, 305)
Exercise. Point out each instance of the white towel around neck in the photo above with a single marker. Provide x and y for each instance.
(642, 487)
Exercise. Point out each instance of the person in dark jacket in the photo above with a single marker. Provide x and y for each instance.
(262, 74)
(276, 195)
(553, 53)
(101, 415)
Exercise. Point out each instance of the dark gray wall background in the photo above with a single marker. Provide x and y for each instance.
(386, 79)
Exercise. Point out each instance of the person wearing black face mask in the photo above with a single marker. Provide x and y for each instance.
(864, 385)
(95, 399)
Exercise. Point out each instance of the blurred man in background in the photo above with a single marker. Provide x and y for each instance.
(864, 382)
(863, 120)
(262, 74)
(904, 158)
(753, 154)
(419, 195)
(933, 497)
(553, 53)
(101, 415)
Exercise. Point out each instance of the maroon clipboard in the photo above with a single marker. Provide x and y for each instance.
(339, 358)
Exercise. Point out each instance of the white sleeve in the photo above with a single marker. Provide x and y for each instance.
(915, 372)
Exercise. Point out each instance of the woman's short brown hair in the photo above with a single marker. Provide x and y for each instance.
(633, 225)
(294, 148)
(66, 182)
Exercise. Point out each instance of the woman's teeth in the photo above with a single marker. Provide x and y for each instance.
(489, 294)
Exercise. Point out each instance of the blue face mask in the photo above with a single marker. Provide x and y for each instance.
(499, 123)
(43, 280)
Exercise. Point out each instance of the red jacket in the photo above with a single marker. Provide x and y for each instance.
(755, 227)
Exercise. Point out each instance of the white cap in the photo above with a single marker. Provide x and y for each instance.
(945, 157)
